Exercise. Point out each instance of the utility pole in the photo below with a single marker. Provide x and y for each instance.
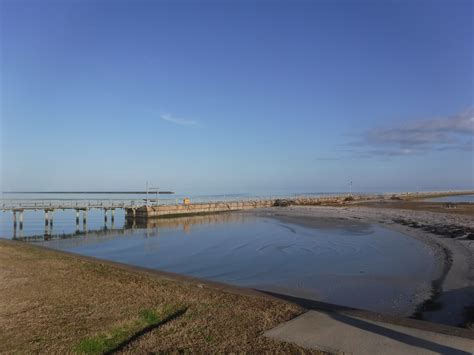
(147, 193)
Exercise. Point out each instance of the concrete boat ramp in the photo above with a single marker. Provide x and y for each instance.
(342, 333)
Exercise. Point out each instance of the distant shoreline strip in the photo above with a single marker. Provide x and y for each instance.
(91, 192)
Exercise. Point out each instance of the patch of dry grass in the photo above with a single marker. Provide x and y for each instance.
(51, 301)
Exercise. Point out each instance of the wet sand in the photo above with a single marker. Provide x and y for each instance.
(451, 298)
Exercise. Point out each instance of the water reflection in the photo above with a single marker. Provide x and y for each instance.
(150, 228)
(186, 223)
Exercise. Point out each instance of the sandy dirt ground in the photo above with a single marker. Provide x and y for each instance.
(50, 301)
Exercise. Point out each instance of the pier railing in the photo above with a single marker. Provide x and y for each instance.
(30, 204)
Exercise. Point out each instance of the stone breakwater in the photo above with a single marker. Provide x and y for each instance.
(351, 198)
(189, 208)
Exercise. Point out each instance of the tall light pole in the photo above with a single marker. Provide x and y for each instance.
(350, 188)
(147, 193)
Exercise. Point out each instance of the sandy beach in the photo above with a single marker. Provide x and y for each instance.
(450, 299)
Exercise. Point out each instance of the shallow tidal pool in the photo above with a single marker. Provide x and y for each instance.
(344, 262)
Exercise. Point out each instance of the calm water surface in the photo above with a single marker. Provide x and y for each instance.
(453, 199)
(350, 263)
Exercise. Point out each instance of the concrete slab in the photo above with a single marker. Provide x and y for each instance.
(345, 334)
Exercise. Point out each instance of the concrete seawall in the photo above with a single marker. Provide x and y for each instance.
(146, 212)
(151, 212)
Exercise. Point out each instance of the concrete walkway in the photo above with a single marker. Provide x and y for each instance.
(342, 333)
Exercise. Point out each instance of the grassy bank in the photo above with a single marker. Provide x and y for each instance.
(55, 302)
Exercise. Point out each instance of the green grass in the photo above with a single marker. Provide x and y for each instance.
(103, 343)
(110, 340)
(149, 317)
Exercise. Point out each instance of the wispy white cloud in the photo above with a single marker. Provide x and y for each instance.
(179, 121)
(452, 133)
(423, 134)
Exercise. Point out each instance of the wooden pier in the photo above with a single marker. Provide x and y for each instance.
(18, 208)
(144, 209)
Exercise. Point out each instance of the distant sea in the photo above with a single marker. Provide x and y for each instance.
(452, 199)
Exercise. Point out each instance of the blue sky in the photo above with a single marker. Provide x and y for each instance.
(237, 96)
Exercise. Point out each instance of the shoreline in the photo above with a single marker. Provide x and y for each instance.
(453, 261)
(52, 299)
(452, 286)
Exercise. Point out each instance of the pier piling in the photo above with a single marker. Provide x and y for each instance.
(77, 221)
(112, 218)
(46, 223)
(21, 221)
(51, 220)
